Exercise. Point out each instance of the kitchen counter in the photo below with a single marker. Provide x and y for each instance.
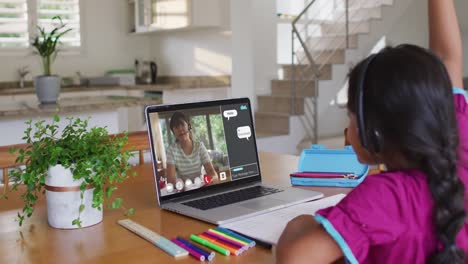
(31, 108)
(67, 89)
(165, 83)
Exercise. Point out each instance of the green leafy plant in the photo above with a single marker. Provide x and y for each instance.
(91, 153)
(46, 43)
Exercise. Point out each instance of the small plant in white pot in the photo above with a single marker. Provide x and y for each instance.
(77, 171)
(46, 45)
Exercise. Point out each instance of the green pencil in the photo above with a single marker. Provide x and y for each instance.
(205, 243)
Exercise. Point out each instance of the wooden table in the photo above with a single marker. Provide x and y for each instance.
(108, 242)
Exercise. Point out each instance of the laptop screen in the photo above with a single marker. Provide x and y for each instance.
(202, 145)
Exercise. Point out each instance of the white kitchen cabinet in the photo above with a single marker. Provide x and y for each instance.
(116, 92)
(24, 97)
(165, 15)
(82, 93)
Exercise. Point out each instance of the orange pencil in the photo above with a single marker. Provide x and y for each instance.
(232, 249)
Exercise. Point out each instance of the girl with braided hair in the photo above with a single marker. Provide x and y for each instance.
(403, 113)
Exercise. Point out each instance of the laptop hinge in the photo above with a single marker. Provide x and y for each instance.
(211, 192)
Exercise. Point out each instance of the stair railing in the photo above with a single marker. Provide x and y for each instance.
(307, 66)
(296, 34)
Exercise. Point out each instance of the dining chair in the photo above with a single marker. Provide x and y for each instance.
(8, 160)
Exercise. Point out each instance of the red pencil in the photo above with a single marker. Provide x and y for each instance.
(233, 250)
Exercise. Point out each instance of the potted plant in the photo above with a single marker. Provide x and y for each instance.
(46, 45)
(77, 170)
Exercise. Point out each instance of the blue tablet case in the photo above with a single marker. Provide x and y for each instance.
(341, 161)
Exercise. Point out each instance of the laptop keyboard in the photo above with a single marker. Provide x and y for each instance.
(231, 197)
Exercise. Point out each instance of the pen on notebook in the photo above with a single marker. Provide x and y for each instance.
(210, 245)
(230, 237)
(208, 255)
(330, 175)
(234, 250)
(229, 232)
(226, 240)
(192, 252)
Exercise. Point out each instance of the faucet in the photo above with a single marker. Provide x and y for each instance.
(22, 73)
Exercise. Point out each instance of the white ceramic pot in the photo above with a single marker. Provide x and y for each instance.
(63, 200)
(47, 88)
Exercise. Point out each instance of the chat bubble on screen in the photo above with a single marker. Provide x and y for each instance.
(230, 113)
(244, 132)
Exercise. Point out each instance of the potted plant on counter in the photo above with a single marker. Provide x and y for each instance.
(46, 45)
(77, 170)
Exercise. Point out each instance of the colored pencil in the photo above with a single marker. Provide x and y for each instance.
(229, 237)
(208, 255)
(210, 245)
(233, 250)
(226, 240)
(227, 231)
(192, 252)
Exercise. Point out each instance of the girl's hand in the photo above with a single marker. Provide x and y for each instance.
(297, 227)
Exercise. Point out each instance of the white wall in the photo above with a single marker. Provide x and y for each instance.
(462, 8)
(465, 56)
(193, 95)
(253, 25)
(413, 27)
(106, 45)
(265, 45)
(195, 52)
(192, 52)
(244, 47)
(417, 33)
(243, 66)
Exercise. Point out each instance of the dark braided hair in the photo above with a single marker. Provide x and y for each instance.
(408, 98)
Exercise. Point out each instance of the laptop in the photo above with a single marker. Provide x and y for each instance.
(223, 130)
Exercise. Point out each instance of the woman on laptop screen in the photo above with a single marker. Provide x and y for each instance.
(185, 157)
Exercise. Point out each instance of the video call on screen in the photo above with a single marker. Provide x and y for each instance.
(227, 134)
(241, 147)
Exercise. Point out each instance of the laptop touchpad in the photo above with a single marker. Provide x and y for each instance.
(262, 203)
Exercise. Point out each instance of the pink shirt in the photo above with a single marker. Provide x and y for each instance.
(388, 217)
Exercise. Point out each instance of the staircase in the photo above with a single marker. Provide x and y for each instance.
(275, 110)
(329, 31)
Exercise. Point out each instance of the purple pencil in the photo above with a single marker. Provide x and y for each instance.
(192, 252)
(208, 255)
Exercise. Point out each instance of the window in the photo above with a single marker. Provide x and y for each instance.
(13, 23)
(19, 20)
(68, 10)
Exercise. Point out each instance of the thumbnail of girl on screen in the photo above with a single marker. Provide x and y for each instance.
(186, 156)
